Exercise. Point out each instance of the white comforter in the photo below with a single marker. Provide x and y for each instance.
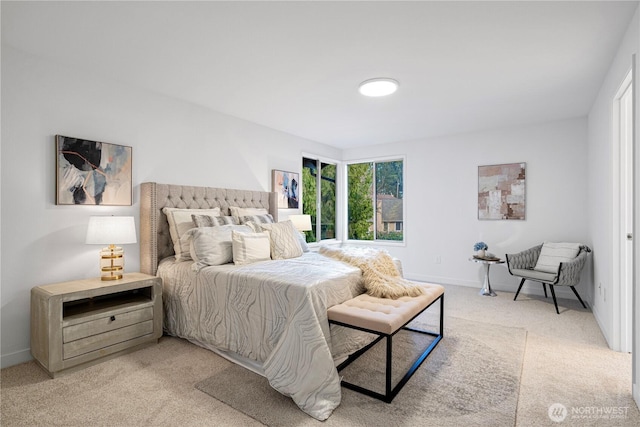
(272, 312)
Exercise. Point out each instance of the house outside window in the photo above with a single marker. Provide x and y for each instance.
(375, 201)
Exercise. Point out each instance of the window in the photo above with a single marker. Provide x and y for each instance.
(319, 197)
(375, 203)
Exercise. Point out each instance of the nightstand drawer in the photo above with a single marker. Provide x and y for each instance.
(96, 342)
(105, 324)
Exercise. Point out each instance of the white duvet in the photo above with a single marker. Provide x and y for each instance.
(274, 313)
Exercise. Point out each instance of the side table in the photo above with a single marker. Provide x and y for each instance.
(487, 262)
(77, 323)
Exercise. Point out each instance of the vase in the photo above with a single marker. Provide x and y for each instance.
(480, 253)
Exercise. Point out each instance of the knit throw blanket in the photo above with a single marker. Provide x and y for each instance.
(381, 276)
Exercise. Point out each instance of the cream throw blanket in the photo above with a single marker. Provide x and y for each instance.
(381, 276)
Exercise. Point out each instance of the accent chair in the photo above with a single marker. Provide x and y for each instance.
(553, 264)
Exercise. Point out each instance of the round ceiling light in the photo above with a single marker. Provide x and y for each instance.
(378, 87)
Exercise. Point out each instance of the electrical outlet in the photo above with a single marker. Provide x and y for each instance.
(438, 259)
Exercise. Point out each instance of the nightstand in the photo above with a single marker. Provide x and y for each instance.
(75, 324)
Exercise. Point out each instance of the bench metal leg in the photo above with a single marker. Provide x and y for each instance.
(391, 392)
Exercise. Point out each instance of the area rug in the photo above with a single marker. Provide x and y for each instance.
(471, 378)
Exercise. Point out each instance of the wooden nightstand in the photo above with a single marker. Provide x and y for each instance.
(74, 324)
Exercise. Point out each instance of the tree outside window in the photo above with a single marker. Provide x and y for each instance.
(375, 202)
(375, 206)
(319, 198)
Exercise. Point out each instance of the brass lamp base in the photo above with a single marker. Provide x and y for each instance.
(111, 263)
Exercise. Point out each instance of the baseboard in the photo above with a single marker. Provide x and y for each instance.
(601, 325)
(529, 288)
(16, 358)
(442, 280)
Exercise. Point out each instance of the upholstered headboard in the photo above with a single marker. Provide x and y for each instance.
(155, 240)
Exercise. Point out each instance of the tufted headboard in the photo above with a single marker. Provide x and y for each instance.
(155, 240)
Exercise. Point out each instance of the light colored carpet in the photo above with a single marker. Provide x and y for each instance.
(566, 361)
(153, 386)
(473, 375)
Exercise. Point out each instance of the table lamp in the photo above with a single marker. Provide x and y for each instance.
(301, 222)
(112, 231)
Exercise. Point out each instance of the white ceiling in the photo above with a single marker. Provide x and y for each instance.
(295, 66)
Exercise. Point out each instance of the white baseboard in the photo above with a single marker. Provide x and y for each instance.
(530, 288)
(16, 358)
(601, 325)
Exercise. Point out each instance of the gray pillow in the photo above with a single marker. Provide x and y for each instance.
(213, 221)
(212, 245)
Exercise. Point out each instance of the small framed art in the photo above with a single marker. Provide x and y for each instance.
(501, 191)
(286, 184)
(92, 172)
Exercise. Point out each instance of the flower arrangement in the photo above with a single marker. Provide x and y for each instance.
(480, 246)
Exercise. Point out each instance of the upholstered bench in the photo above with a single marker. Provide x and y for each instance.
(385, 317)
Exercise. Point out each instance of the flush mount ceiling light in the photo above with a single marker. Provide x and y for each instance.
(378, 87)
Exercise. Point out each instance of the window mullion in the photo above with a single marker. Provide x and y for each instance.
(375, 201)
(318, 200)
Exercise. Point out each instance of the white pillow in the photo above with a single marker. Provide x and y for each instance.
(212, 245)
(303, 241)
(552, 254)
(236, 211)
(250, 247)
(285, 242)
(179, 223)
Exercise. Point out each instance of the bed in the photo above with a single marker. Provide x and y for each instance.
(269, 316)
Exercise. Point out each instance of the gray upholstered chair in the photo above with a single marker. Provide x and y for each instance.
(523, 265)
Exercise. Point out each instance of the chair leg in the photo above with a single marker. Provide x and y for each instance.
(579, 299)
(553, 294)
(519, 287)
(544, 286)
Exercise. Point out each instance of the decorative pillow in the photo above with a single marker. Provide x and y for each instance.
(179, 223)
(250, 247)
(213, 221)
(255, 221)
(552, 254)
(236, 211)
(285, 242)
(212, 245)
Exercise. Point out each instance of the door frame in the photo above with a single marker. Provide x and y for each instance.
(622, 250)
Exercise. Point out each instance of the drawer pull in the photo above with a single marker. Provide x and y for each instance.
(113, 318)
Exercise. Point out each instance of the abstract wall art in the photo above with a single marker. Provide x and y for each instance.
(92, 173)
(501, 191)
(286, 184)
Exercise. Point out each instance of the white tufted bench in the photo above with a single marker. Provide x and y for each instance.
(385, 317)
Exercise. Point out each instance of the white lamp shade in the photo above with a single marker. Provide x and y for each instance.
(111, 230)
(301, 222)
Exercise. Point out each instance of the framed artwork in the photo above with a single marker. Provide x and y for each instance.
(92, 173)
(286, 184)
(501, 191)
